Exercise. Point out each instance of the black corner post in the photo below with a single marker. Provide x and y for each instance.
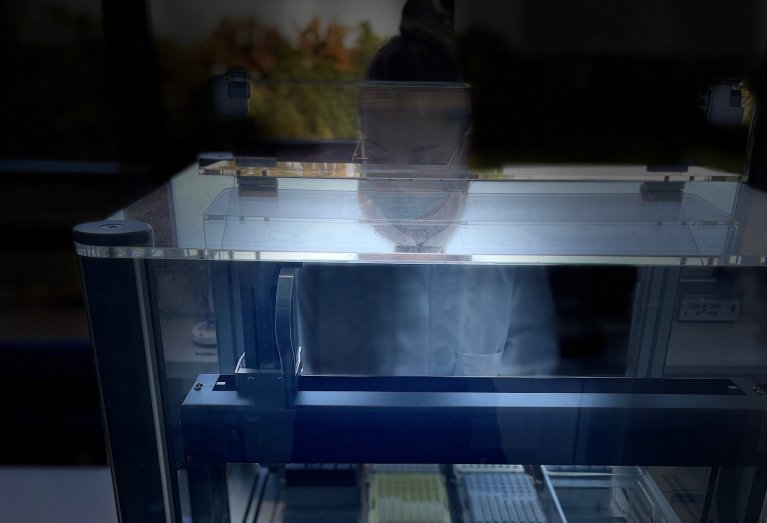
(119, 315)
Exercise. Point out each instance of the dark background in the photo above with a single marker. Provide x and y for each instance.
(73, 148)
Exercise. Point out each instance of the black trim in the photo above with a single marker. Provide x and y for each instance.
(711, 387)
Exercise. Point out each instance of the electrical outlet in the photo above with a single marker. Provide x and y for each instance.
(709, 308)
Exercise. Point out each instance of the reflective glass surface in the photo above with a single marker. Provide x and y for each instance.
(443, 272)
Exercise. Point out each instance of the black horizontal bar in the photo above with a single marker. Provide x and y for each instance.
(61, 167)
(704, 386)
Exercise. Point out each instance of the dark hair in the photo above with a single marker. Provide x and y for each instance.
(425, 51)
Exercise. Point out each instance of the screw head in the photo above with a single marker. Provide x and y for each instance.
(198, 386)
(251, 379)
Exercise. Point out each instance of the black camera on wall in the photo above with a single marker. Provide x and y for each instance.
(230, 94)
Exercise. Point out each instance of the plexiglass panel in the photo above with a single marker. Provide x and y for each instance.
(426, 320)
(719, 325)
(453, 320)
(451, 221)
(379, 218)
(388, 300)
(558, 363)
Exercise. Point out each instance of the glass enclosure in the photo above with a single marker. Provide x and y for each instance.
(438, 268)
(594, 348)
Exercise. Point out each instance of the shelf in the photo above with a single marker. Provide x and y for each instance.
(228, 165)
(451, 221)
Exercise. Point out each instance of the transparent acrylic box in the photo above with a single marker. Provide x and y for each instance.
(475, 221)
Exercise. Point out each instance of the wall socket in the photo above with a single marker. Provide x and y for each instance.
(709, 308)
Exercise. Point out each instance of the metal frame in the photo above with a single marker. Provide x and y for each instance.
(475, 420)
(652, 318)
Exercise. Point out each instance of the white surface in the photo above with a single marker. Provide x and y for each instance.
(56, 494)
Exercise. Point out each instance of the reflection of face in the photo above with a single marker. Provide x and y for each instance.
(405, 124)
(413, 139)
(415, 216)
(413, 126)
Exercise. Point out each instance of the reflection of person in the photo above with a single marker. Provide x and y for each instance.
(426, 49)
(426, 319)
(406, 125)
(440, 320)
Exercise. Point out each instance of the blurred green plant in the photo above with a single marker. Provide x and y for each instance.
(302, 88)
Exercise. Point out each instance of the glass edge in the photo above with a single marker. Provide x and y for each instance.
(151, 253)
(353, 171)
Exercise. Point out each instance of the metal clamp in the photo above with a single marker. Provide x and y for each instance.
(284, 323)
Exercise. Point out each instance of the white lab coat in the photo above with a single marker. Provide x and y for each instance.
(439, 320)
